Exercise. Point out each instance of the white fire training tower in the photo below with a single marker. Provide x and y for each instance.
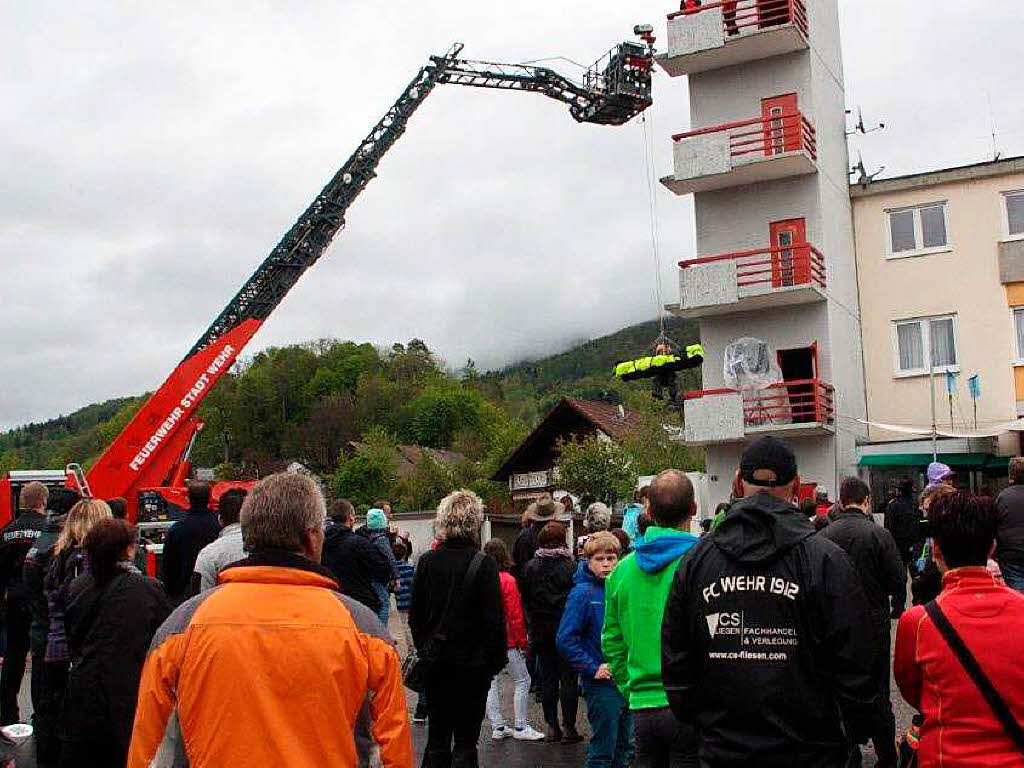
(766, 161)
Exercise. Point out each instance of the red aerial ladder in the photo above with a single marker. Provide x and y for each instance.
(148, 462)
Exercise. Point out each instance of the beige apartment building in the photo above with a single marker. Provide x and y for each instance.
(940, 272)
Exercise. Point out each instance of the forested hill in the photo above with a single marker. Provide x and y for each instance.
(598, 356)
(306, 401)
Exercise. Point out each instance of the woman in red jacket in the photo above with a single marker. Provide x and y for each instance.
(515, 631)
(960, 728)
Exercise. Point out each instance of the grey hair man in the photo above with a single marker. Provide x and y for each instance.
(767, 633)
(275, 624)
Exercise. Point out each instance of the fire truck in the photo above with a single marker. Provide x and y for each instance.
(148, 462)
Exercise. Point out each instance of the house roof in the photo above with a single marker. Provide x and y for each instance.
(958, 173)
(407, 456)
(615, 421)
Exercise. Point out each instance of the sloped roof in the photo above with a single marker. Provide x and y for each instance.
(407, 456)
(607, 417)
(600, 416)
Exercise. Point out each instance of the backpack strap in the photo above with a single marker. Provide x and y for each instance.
(970, 664)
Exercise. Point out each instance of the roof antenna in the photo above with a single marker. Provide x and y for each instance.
(859, 126)
(863, 177)
(996, 153)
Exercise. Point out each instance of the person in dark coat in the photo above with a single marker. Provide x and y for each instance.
(112, 613)
(45, 707)
(903, 521)
(353, 559)
(185, 539)
(474, 649)
(16, 539)
(766, 641)
(875, 556)
(538, 514)
(1010, 530)
(547, 581)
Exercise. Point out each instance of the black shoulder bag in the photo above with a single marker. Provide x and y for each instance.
(417, 665)
(970, 664)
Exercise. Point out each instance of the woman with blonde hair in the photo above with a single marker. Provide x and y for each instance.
(458, 627)
(67, 563)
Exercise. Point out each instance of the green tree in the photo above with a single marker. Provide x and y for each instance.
(598, 467)
(369, 474)
(652, 448)
(429, 482)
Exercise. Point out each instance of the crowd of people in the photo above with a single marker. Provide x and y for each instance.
(762, 641)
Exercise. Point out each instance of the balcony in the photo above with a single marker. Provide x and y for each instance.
(743, 281)
(720, 34)
(788, 409)
(744, 152)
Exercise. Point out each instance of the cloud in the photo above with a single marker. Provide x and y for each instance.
(154, 159)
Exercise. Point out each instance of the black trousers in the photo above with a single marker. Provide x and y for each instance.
(662, 741)
(559, 684)
(883, 722)
(94, 751)
(18, 621)
(50, 711)
(456, 698)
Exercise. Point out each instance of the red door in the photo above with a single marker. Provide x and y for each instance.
(781, 124)
(791, 263)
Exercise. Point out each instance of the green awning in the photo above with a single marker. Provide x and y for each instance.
(954, 460)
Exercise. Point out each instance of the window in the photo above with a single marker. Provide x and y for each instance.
(1018, 328)
(1014, 213)
(931, 338)
(918, 230)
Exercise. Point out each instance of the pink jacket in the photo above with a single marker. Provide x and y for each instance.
(515, 624)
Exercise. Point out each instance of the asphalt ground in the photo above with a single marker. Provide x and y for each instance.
(506, 753)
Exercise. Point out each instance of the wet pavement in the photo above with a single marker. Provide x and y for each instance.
(506, 753)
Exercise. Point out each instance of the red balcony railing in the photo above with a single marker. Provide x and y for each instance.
(772, 268)
(746, 16)
(765, 136)
(799, 401)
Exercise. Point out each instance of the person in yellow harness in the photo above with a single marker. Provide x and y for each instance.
(662, 366)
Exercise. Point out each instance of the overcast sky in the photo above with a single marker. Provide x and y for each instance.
(154, 153)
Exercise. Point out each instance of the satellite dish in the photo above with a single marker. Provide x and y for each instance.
(750, 365)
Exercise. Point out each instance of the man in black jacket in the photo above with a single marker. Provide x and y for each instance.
(185, 539)
(874, 555)
(903, 521)
(1010, 528)
(16, 539)
(766, 641)
(353, 559)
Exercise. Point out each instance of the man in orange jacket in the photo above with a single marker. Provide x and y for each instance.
(273, 666)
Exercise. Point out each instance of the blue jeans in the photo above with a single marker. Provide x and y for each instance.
(1013, 575)
(611, 745)
(382, 592)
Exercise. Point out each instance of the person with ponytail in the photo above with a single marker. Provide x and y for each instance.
(65, 565)
(112, 613)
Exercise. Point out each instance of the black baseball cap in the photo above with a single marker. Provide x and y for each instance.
(768, 454)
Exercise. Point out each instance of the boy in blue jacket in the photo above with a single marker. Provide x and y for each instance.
(579, 643)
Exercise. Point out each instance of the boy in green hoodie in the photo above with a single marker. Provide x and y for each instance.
(635, 597)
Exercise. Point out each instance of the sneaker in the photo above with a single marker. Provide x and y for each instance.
(501, 732)
(554, 734)
(526, 733)
(571, 736)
